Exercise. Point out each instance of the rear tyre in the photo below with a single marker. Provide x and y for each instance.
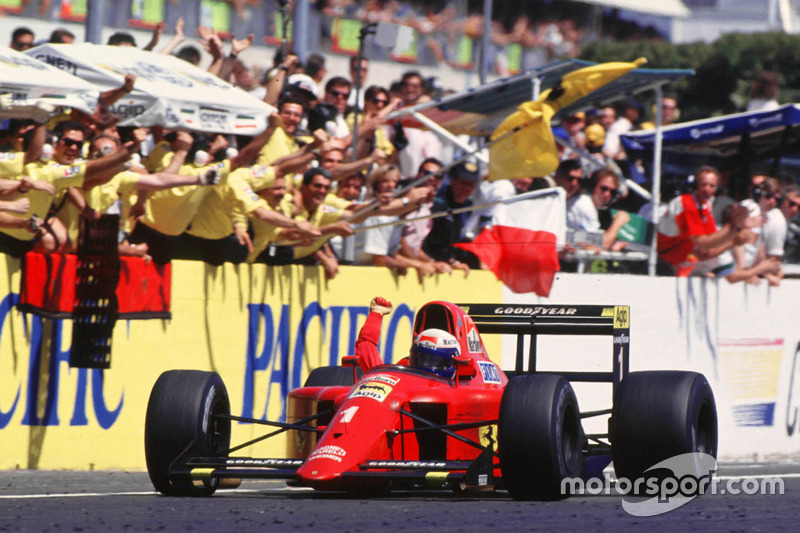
(540, 439)
(330, 376)
(182, 417)
(658, 415)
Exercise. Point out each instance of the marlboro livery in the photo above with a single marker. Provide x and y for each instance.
(447, 417)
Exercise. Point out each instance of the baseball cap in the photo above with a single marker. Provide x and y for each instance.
(595, 135)
(467, 170)
(580, 115)
(302, 82)
(631, 103)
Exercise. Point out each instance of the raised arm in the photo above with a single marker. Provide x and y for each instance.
(366, 347)
(248, 154)
(156, 37)
(34, 151)
(99, 171)
(177, 39)
(276, 82)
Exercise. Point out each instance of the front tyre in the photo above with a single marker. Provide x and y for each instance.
(183, 421)
(540, 439)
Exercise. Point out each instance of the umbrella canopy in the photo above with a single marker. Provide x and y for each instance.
(28, 88)
(479, 110)
(169, 91)
(664, 8)
(724, 142)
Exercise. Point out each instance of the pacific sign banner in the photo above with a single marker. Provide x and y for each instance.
(264, 328)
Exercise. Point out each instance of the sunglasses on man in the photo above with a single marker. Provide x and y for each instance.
(72, 143)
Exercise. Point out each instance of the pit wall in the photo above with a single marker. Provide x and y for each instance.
(263, 329)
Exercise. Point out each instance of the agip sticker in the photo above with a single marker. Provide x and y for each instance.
(372, 389)
(622, 317)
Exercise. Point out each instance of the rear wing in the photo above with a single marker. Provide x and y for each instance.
(534, 320)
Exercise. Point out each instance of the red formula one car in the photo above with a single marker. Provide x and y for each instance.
(403, 427)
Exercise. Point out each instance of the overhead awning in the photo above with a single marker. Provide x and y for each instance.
(721, 141)
(28, 85)
(478, 111)
(665, 8)
(169, 91)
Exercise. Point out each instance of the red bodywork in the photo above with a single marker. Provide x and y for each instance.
(367, 417)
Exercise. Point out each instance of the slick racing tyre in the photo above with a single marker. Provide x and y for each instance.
(540, 439)
(658, 415)
(330, 376)
(182, 421)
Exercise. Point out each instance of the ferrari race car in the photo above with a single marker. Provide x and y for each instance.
(401, 427)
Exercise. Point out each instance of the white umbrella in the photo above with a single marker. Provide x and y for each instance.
(169, 91)
(31, 89)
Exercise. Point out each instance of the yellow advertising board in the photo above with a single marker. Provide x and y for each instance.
(262, 328)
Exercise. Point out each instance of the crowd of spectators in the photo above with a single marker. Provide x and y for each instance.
(702, 231)
(442, 28)
(299, 192)
(523, 35)
(303, 192)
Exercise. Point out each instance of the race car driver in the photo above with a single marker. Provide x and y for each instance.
(432, 350)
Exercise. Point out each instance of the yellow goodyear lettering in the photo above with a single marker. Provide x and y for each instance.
(202, 474)
(435, 479)
(622, 317)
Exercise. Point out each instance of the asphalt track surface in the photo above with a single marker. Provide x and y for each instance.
(121, 501)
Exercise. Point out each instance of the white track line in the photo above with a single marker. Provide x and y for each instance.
(138, 493)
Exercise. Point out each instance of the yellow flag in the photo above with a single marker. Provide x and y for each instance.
(523, 145)
(582, 82)
(528, 152)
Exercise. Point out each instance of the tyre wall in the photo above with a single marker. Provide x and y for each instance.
(263, 329)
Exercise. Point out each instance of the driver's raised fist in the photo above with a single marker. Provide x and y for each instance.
(380, 305)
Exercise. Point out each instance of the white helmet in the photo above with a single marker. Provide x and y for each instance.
(433, 350)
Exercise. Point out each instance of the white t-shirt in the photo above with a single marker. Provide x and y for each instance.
(342, 129)
(612, 142)
(490, 191)
(582, 214)
(421, 145)
(583, 222)
(772, 234)
(646, 211)
(751, 248)
(378, 241)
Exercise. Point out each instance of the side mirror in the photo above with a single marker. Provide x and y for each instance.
(464, 367)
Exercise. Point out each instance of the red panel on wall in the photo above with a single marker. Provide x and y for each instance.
(48, 286)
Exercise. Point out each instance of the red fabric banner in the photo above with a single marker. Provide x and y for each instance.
(48, 286)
